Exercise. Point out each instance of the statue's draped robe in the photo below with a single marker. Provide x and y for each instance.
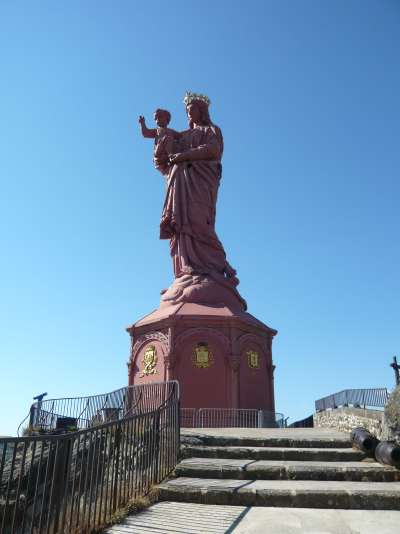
(188, 217)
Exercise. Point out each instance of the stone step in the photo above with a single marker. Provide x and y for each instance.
(285, 493)
(285, 470)
(266, 437)
(273, 453)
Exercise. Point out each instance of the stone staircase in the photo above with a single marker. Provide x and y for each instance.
(297, 468)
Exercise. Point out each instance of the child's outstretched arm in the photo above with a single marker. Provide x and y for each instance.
(147, 132)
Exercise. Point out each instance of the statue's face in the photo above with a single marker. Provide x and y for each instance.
(193, 113)
(161, 119)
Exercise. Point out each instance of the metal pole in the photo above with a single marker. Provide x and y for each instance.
(396, 369)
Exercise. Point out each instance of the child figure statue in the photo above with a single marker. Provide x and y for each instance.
(164, 139)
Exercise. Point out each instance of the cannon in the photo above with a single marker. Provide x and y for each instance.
(388, 452)
(364, 440)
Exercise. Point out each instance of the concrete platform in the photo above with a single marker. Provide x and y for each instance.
(188, 518)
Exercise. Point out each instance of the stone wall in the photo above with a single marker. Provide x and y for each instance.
(391, 427)
(345, 419)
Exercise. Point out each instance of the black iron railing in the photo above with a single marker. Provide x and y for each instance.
(307, 422)
(376, 397)
(86, 412)
(230, 417)
(74, 482)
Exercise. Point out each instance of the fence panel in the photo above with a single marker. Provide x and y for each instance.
(373, 397)
(230, 417)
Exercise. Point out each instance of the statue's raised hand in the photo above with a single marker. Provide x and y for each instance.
(142, 120)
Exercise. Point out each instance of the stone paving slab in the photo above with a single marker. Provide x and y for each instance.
(322, 521)
(188, 518)
(267, 437)
(289, 470)
(273, 453)
(182, 518)
(291, 493)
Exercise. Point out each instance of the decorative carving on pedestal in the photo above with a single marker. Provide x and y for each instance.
(159, 336)
(149, 361)
(202, 356)
(253, 359)
(148, 364)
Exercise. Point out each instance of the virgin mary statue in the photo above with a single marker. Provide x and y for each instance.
(202, 272)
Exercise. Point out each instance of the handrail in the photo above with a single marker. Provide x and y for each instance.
(22, 422)
(372, 397)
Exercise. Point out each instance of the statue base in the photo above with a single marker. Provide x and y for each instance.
(209, 289)
(222, 357)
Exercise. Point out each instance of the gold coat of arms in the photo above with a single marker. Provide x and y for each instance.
(149, 361)
(253, 359)
(202, 356)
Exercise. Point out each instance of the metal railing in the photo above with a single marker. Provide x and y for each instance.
(307, 422)
(376, 397)
(74, 482)
(86, 412)
(230, 417)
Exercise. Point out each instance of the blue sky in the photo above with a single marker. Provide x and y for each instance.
(307, 96)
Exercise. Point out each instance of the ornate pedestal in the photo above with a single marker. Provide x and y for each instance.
(221, 357)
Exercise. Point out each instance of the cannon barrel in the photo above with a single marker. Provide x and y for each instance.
(388, 452)
(364, 440)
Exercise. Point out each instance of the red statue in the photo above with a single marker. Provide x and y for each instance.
(201, 334)
(191, 162)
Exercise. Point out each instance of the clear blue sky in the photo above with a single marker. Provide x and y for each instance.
(307, 96)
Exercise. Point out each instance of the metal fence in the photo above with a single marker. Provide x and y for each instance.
(376, 397)
(74, 482)
(86, 412)
(307, 422)
(230, 417)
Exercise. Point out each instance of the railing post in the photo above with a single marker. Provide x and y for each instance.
(117, 442)
(32, 416)
(60, 473)
(260, 418)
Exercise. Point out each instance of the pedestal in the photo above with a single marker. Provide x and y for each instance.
(221, 357)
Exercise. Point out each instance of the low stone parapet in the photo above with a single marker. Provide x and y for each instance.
(345, 419)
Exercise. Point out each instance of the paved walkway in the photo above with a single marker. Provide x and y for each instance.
(182, 518)
(188, 518)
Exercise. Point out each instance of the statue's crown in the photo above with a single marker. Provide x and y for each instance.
(190, 97)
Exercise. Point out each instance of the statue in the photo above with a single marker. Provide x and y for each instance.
(201, 333)
(191, 162)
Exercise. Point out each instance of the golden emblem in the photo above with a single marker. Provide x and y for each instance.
(253, 359)
(150, 361)
(202, 356)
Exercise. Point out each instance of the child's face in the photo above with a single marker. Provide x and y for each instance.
(161, 119)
